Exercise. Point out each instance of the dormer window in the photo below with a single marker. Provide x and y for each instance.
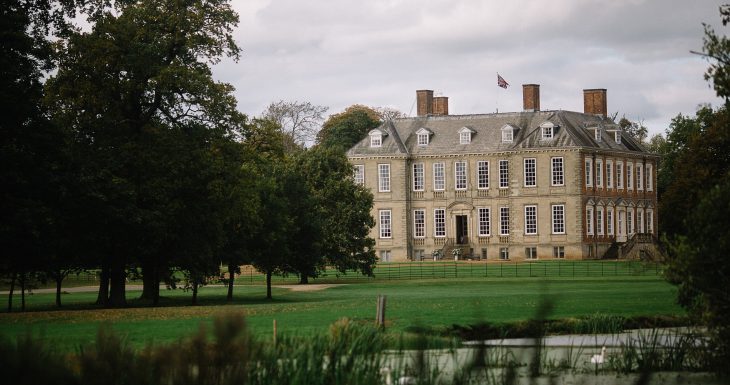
(376, 138)
(423, 136)
(548, 130)
(508, 133)
(617, 137)
(465, 135)
(597, 134)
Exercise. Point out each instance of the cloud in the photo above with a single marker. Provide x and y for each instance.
(341, 52)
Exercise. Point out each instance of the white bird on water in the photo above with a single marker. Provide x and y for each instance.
(599, 358)
(405, 380)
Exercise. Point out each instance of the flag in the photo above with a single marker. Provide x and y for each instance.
(501, 82)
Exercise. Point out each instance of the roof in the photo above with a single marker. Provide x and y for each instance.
(573, 130)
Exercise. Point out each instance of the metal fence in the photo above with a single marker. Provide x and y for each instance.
(459, 269)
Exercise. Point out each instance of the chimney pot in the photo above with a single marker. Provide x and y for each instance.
(594, 102)
(531, 97)
(424, 102)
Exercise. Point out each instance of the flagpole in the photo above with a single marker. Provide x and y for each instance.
(497, 104)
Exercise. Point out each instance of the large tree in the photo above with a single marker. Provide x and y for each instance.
(345, 129)
(695, 205)
(142, 73)
(298, 121)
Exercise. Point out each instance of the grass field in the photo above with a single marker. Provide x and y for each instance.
(435, 303)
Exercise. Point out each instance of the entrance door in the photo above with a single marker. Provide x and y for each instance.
(462, 229)
(621, 228)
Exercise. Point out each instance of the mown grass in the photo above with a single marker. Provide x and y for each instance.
(438, 304)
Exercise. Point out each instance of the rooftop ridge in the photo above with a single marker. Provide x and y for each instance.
(471, 116)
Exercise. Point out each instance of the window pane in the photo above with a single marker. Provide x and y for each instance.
(418, 177)
(383, 177)
(460, 175)
(483, 174)
(503, 173)
(419, 223)
(558, 176)
(438, 177)
(504, 221)
(484, 225)
(530, 165)
(558, 219)
(531, 220)
(385, 224)
(439, 222)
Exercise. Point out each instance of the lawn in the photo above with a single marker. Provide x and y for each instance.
(433, 303)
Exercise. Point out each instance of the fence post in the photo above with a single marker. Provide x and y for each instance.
(573, 269)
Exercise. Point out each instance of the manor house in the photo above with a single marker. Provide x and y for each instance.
(519, 185)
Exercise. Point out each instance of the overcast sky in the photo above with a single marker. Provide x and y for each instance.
(379, 52)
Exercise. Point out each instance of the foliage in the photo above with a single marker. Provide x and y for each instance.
(637, 130)
(343, 130)
(695, 206)
(298, 121)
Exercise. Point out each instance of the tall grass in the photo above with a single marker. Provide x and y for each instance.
(350, 353)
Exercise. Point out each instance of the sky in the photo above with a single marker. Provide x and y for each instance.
(337, 53)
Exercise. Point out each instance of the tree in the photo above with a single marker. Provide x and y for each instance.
(695, 205)
(143, 72)
(345, 129)
(298, 121)
(343, 208)
(637, 130)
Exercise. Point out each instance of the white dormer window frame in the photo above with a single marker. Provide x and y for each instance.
(376, 138)
(617, 137)
(508, 134)
(597, 134)
(423, 137)
(547, 131)
(465, 135)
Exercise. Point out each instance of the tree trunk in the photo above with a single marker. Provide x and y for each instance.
(231, 277)
(195, 293)
(303, 279)
(22, 291)
(117, 278)
(10, 293)
(151, 282)
(268, 284)
(103, 297)
(59, 281)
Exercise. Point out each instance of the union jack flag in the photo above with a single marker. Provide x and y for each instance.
(501, 82)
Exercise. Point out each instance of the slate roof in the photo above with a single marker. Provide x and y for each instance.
(571, 132)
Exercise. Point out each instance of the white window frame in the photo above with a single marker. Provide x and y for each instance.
(464, 137)
(504, 221)
(639, 177)
(529, 169)
(504, 253)
(460, 175)
(439, 223)
(609, 221)
(597, 134)
(599, 173)
(439, 176)
(385, 224)
(630, 221)
(484, 221)
(620, 175)
(557, 171)
(503, 173)
(531, 252)
(419, 223)
(547, 131)
(419, 177)
(423, 139)
(640, 221)
(530, 219)
(650, 221)
(629, 176)
(649, 177)
(559, 252)
(558, 218)
(609, 174)
(483, 175)
(589, 220)
(376, 140)
(508, 135)
(358, 175)
(617, 137)
(599, 221)
(384, 177)
(589, 172)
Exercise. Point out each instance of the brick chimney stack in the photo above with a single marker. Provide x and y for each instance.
(531, 97)
(440, 105)
(594, 102)
(424, 102)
